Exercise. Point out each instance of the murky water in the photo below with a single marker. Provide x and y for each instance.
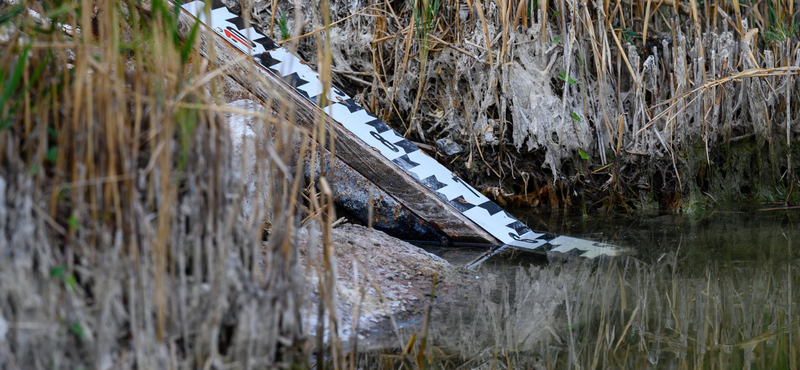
(735, 234)
(717, 291)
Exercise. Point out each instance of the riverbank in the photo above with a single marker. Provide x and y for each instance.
(135, 232)
(381, 283)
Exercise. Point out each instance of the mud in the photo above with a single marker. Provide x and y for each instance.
(380, 280)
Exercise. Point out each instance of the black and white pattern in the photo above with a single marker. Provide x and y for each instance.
(375, 133)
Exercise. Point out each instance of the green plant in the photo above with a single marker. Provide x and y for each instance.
(10, 89)
(629, 35)
(73, 222)
(52, 154)
(10, 13)
(780, 24)
(77, 329)
(186, 124)
(563, 77)
(60, 273)
(283, 27)
(532, 5)
(425, 12)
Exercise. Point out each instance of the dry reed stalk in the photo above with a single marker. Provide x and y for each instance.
(479, 7)
(543, 19)
(646, 20)
(750, 73)
(272, 19)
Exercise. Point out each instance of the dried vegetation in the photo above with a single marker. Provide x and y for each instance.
(632, 103)
(123, 237)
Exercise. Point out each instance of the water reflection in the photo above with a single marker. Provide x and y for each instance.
(714, 292)
(735, 234)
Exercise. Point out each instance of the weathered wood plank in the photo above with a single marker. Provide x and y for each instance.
(352, 150)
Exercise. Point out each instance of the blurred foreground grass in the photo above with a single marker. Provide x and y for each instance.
(123, 242)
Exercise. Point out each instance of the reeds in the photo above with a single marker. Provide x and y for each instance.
(531, 84)
(425, 12)
(125, 236)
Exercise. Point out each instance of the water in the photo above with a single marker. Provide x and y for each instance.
(717, 291)
(744, 234)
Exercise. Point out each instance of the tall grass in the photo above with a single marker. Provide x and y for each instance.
(123, 236)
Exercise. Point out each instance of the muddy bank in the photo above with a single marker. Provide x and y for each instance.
(380, 280)
(381, 283)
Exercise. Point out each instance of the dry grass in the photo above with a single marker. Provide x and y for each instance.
(123, 235)
(652, 88)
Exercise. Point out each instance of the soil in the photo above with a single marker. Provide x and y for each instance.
(386, 278)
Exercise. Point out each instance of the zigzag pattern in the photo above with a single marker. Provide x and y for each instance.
(375, 133)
